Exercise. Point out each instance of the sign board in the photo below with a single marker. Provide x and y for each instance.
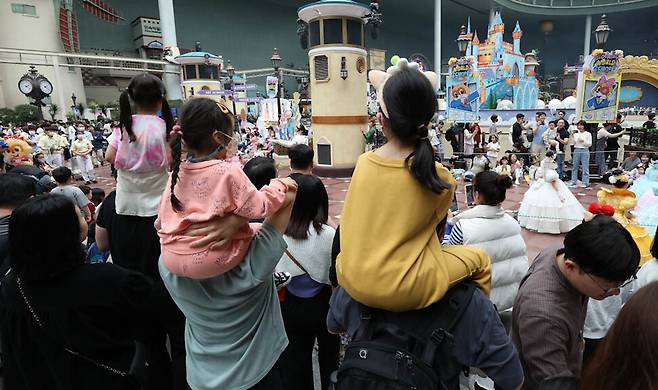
(214, 92)
(463, 90)
(245, 87)
(248, 100)
(599, 87)
(272, 86)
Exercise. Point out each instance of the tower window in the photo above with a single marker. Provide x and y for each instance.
(333, 31)
(314, 33)
(321, 68)
(354, 32)
(190, 72)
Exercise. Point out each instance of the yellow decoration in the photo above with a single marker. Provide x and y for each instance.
(623, 201)
(597, 52)
(452, 61)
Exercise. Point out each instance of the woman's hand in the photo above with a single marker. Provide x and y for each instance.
(217, 232)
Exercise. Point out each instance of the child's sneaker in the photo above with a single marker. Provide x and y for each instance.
(281, 279)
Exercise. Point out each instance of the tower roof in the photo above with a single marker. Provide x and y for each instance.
(332, 8)
(476, 40)
(497, 18)
(517, 28)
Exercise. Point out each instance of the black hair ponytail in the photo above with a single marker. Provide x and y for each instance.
(199, 118)
(146, 91)
(126, 115)
(423, 164)
(167, 116)
(176, 154)
(411, 104)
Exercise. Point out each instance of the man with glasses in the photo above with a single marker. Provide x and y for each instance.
(597, 258)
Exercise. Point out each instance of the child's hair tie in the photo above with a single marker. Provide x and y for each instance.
(176, 131)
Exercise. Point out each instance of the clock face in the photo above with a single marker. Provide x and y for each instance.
(46, 87)
(25, 86)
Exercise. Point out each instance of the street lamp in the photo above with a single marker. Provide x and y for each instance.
(602, 32)
(276, 61)
(231, 72)
(463, 41)
(74, 107)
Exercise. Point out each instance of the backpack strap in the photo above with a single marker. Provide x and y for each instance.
(366, 324)
(445, 315)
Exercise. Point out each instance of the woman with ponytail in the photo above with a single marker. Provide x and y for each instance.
(138, 147)
(391, 257)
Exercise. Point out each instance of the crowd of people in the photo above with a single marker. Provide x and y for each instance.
(204, 269)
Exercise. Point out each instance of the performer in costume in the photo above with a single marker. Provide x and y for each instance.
(649, 180)
(624, 202)
(548, 206)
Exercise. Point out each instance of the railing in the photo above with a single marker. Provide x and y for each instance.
(644, 137)
(79, 60)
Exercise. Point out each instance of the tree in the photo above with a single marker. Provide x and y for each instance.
(81, 110)
(26, 113)
(7, 115)
(54, 109)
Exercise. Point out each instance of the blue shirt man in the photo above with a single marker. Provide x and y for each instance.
(539, 130)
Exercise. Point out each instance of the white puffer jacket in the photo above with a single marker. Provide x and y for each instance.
(498, 234)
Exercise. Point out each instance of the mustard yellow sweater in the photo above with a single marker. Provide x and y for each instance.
(391, 257)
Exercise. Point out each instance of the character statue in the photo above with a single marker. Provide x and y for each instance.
(17, 152)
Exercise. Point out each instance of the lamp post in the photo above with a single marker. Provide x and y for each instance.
(74, 107)
(602, 32)
(231, 72)
(462, 41)
(276, 61)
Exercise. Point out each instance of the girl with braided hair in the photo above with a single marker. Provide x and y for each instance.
(205, 186)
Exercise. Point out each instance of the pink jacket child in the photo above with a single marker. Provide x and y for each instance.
(208, 190)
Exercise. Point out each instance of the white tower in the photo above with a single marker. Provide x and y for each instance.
(337, 60)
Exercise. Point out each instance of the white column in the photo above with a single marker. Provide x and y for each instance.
(168, 28)
(588, 35)
(437, 39)
(59, 88)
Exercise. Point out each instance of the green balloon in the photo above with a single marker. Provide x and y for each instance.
(395, 59)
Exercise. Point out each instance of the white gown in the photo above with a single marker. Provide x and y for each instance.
(545, 210)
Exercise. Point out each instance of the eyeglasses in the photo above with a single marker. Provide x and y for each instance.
(607, 291)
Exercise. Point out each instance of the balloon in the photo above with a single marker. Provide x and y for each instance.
(395, 59)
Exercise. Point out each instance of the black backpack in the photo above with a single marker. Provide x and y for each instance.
(409, 350)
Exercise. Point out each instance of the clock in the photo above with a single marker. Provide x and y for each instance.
(25, 86)
(45, 86)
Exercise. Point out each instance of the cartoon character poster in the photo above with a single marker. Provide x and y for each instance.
(599, 86)
(463, 93)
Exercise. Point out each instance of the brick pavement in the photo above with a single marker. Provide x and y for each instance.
(337, 187)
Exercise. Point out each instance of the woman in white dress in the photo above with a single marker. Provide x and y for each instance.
(548, 206)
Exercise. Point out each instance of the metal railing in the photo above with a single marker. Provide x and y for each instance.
(79, 60)
(646, 138)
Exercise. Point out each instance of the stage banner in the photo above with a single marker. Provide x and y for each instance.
(463, 94)
(272, 86)
(599, 86)
(268, 110)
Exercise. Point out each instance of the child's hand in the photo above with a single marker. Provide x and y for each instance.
(290, 183)
(290, 198)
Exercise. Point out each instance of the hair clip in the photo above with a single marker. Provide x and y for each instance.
(223, 107)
